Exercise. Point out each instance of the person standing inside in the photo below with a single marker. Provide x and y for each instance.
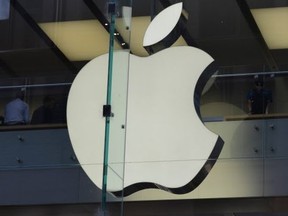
(16, 112)
(259, 99)
(44, 114)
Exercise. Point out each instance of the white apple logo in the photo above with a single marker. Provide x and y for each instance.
(167, 145)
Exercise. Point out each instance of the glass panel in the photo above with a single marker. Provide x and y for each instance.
(119, 13)
(225, 110)
(45, 43)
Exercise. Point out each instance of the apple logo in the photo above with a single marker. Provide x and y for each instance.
(167, 145)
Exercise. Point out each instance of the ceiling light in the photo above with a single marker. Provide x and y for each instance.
(272, 23)
(79, 40)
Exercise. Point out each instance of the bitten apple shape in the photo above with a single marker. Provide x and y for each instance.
(167, 145)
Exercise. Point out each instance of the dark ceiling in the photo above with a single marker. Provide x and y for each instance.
(223, 28)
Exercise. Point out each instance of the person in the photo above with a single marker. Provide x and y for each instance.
(259, 99)
(1, 120)
(44, 114)
(16, 112)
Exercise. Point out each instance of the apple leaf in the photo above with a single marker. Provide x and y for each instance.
(162, 24)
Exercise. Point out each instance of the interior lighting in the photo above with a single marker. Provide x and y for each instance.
(272, 23)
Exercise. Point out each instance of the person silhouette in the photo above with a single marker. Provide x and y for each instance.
(16, 112)
(259, 99)
(44, 113)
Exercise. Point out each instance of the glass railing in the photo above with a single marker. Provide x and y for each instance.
(253, 153)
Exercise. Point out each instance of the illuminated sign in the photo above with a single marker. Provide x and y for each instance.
(167, 145)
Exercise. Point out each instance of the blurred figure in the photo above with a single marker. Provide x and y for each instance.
(44, 114)
(259, 99)
(16, 112)
(59, 113)
(1, 120)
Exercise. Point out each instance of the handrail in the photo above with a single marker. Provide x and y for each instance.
(32, 127)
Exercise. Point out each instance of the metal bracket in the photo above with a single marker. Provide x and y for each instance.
(107, 111)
